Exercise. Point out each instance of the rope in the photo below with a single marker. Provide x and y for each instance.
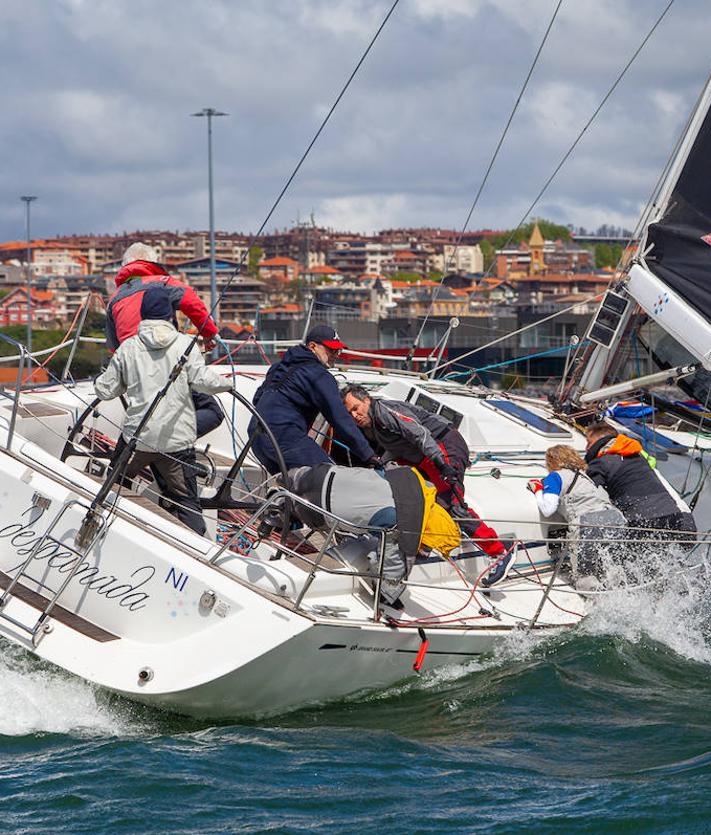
(508, 362)
(519, 330)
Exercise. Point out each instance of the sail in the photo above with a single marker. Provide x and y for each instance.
(680, 239)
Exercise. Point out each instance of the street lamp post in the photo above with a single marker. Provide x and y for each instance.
(27, 199)
(210, 112)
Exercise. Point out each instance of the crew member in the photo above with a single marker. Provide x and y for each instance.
(594, 523)
(620, 465)
(419, 438)
(139, 369)
(140, 272)
(399, 502)
(295, 391)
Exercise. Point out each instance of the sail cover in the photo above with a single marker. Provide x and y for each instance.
(681, 255)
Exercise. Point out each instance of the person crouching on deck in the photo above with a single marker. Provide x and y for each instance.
(594, 522)
(415, 437)
(652, 508)
(398, 502)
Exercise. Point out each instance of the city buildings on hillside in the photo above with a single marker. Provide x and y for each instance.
(14, 308)
(307, 271)
(538, 257)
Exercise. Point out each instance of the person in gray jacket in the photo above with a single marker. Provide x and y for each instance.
(139, 369)
(393, 502)
(411, 435)
(569, 495)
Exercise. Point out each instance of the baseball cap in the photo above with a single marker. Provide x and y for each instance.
(325, 335)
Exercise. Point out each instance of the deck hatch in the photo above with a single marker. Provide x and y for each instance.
(530, 419)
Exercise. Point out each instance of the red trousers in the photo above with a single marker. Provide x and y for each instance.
(456, 454)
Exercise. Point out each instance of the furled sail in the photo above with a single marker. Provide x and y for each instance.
(670, 276)
(680, 253)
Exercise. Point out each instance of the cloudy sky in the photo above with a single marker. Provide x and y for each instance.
(96, 97)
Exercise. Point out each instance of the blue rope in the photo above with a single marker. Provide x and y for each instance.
(511, 362)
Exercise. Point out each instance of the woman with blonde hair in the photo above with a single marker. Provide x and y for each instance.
(570, 493)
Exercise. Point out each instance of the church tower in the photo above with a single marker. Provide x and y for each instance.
(536, 243)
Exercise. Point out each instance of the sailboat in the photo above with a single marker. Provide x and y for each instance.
(101, 581)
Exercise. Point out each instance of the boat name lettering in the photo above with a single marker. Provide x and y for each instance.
(357, 648)
(177, 579)
(126, 592)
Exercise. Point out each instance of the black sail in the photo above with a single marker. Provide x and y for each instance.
(681, 255)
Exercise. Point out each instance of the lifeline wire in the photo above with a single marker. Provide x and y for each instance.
(488, 171)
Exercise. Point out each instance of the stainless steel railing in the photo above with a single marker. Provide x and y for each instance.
(335, 525)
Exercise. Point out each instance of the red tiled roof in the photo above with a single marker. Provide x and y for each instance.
(323, 269)
(280, 261)
(564, 278)
(285, 308)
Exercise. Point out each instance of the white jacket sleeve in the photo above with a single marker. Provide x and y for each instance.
(547, 502)
(110, 383)
(203, 378)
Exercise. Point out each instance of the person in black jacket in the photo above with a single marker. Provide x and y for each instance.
(413, 436)
(627, 472)
(295, 391)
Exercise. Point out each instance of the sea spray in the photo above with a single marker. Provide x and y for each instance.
(40, 699)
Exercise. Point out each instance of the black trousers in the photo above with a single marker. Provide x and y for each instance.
(176, 476)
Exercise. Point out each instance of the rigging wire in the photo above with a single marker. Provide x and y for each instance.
(303, 157)
(485, 179)
(572, 147)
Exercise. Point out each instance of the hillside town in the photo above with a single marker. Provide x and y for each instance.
(377, 289)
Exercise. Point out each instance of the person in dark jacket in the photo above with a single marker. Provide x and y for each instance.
(412, 435)
(620, 465)
(141, 272)
(295, 391)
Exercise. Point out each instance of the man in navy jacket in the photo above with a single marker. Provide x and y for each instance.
(295, 391)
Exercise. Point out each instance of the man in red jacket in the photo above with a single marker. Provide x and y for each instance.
(140, 271)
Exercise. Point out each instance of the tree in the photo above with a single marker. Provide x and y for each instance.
(607, 255)
(550, 231)
(256, 254)
(487, 250)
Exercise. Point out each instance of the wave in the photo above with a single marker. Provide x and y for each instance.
(38, 699)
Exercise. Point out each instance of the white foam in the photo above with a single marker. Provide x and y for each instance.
(36, 699)
(673, 610)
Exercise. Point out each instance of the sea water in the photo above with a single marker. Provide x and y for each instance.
(603, 728)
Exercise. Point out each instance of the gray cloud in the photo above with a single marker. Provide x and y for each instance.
(97, 95)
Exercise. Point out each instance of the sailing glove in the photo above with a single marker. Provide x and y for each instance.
(449, 474)
(534, 485)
